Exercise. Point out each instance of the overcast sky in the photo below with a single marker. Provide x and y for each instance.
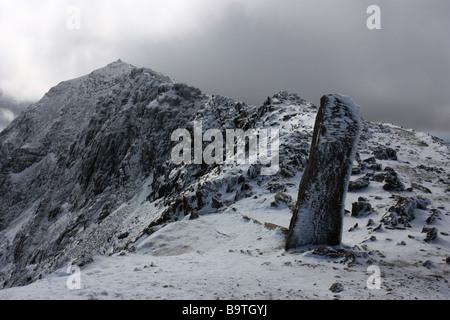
(244, 49)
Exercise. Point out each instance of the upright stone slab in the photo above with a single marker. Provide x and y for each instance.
(319, 212)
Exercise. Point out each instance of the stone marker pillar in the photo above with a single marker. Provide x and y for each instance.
(319, 212)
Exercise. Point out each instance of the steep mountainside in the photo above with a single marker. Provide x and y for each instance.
(90, 145)
(87, 170)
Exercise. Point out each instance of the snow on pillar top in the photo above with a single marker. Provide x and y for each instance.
(339, 115)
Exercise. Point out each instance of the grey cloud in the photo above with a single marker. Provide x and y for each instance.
(251, 49)
(9, 108)
(399, 74)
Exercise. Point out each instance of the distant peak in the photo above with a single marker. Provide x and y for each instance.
(118, 63)
(115, 68)
(285, 97)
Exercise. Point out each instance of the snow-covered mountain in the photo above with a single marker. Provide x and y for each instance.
(86, 178)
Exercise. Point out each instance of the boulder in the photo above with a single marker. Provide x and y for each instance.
(431, 233)
(403, 212)
(375, 167)
(282, 197)
(216, 204)
(361, 209)
(336, 287)
(393, 182)
(370, 160)
(435, 213)
(420, 187)
(385, 153)
(122, 235)
(379, 177)
(253, 171)
(194, 215)
(358, 184)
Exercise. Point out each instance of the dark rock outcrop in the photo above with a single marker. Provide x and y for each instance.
(392, 181)
(403, 212)
(361, 209)
(431, 233)
(358, 184)
(385, 153)
(420, 187)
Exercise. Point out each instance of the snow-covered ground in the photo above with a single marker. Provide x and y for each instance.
(223, 256)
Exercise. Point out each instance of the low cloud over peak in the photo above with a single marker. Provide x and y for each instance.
(246, 50)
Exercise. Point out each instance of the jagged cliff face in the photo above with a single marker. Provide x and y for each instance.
(99, 143)
(88, 168)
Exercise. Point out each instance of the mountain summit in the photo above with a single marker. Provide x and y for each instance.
(86, 172)
(92, 145)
